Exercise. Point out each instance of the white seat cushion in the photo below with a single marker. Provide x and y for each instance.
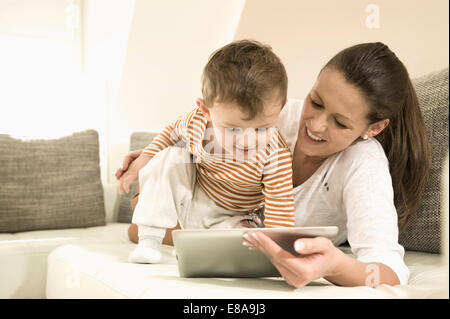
(102, 271)
(23, 256)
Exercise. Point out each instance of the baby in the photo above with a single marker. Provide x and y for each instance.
(234, 162)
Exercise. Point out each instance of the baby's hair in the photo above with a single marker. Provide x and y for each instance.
(244, 72)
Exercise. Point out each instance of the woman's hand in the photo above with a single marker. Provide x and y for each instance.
(129, 172)
(126, 163)
(318, 257)
(131, 175)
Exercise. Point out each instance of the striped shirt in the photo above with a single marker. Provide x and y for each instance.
(264, 179)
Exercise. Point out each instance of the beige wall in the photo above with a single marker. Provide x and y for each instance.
(105, 27)
(169, 43)
(306, 34)
(143, 58)
(157, 49)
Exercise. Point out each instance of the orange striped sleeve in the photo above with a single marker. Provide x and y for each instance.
(172, 133)
(278, 190)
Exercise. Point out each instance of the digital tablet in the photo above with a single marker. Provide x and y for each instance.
(220, 253)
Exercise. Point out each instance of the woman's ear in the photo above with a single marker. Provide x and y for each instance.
(201, 104)
(377, 127)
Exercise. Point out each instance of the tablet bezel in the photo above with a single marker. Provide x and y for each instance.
(220, 253)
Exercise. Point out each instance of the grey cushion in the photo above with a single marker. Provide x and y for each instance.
(50, 184)
(138, 140)
(423, 231)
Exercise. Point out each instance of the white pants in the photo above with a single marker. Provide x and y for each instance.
(169, 192)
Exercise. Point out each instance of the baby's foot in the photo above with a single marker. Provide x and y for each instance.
(145, 255)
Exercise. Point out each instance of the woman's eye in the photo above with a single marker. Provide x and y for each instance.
(340, 124)
(316, 105)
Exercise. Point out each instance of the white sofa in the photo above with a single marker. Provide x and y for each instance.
(92, 263)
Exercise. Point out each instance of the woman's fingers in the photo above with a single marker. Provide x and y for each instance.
(296, 270)
(287, 275)
(124, 185)
(127, 186)
(289, 266)
(129, 159)
(278, 255)
(121, 189)
(308, 246)
(118, 173)
(126, 162)
(265, 244)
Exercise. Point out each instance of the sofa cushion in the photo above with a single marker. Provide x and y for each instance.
(24, 255)
(138, 140)
(423, 231)
(50, 184)
(103, 271)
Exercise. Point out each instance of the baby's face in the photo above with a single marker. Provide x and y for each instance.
(239, 136)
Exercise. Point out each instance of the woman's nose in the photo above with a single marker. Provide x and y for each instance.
(318, 123)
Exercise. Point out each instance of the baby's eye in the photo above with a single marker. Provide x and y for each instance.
(260, 130)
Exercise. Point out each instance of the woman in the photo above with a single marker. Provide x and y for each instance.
(360, 159)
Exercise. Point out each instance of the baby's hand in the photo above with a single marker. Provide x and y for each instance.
(254, 221)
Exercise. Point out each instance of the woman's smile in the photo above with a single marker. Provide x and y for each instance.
(311, 138)
(315, 138)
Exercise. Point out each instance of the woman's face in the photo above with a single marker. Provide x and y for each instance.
(333, 116)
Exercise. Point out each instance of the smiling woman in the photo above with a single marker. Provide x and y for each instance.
(334, 116)
(361, 156)
(383, 82)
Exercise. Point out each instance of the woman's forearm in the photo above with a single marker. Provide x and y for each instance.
(351, 272)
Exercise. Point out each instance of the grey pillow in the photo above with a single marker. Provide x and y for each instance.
(423, 231)
(50, 184)
(138, 140)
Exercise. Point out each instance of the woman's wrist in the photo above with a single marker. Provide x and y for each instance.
(339, 264)
(346, 271)
(349, 272)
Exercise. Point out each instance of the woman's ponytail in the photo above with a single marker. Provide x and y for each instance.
(384, 81)
(407, 148)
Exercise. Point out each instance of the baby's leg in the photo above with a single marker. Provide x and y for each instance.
(207, 214)
(148, 250)
(164, 184)
(133, 228)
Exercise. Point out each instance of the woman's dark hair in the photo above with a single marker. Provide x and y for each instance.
(384, 82)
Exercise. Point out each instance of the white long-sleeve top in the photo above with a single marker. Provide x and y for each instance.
(352, 190)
